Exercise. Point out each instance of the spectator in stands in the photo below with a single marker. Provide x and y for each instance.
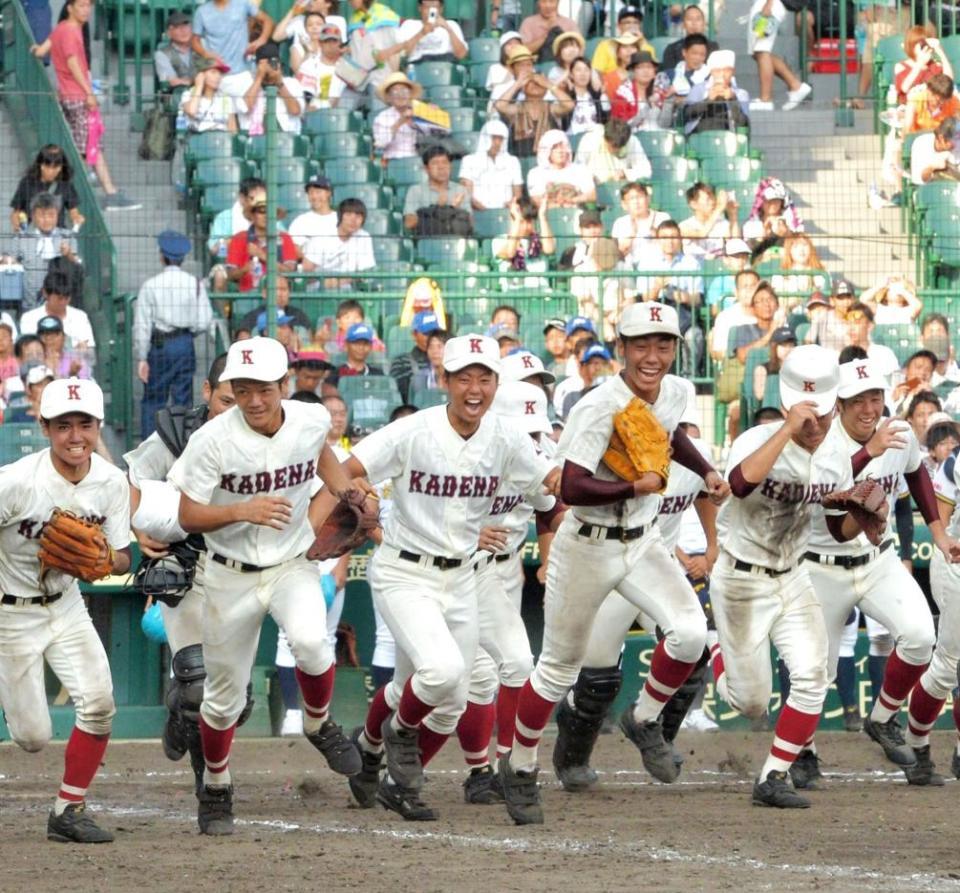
(174, 61)
(766, 16)
(921, 408)
(526, 247)
(491, 175)
(349, 313)
(579, 330)
(691, 69)
(859, 322)
(629, 25)
(310, 368)
(206, 107)
(394, 133)
(228, 222)
(293, 26)
(339, 415)
(591, 106)
(933, 155)
(506, 315)
(439, 206)
(56, 302)
(348, 250)
(714, 220)
(506, 336)
(595, 362)
(931, 104)
(321, 219)
(558, 180)
(432, 377)
(539, 30)
(799, 253)
(286, 332)
(635, 228)
(221, 31)
(772, 218)
(717, 103)
(314, 63)
(567, 48)
(531, 117)
(359, 343)
(693, 22)
(404, 368)
(431, 38)
(65, 363)
(829, 329)
(35, 381)
(935, 337)
(40, 18)
(28, 349)
(252, 104)
(611, 153)
(782, 342)
(555, 346)
(768, 318)
(247, 251)
(917, 376)
(879, 20)
(740, 313)
(600, 297)
(52, 174)
(248, 323)
(894, 302)
(639, 100)
(590, 224)
(942, 439)
(371, 30)
(721, 290)
(626, 48)
(79, 101)
(8, 360)
(924, 59)
(500, 76)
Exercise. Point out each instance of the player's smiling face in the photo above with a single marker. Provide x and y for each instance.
(646, 360)
(259, 401)
(471, 392)
(73, 437)
(861, 414)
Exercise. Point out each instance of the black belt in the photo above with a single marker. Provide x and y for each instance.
(438, 561)
(487, 559)
(21, 601)
(751, 568)
(623, 534)
(848, 562)
(158, 338)
(505, 556)
(241, 566)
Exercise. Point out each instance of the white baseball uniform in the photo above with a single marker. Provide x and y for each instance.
(60, 631)
(872, 578)
(444, 487)
(254, 569)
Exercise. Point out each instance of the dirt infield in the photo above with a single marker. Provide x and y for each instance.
(297, 831)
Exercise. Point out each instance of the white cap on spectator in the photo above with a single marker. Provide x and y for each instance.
(522, 365)
(36, 374)
(648, 318)
(810, 373)
(734, 247)
(469, 350)
(526, 404)
(259, 359)
(721, 59)
(67, 395)
(858, 376)
(507, 36)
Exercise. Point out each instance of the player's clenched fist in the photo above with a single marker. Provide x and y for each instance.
(268, 511)
(717, 488)
(648, 482)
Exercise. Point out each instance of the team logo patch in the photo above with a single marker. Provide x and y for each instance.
(809, 387)
(655, 314)
(527, 362)
(861, 371)
(476, 346)
(530, 407)
(246, 357)
(73, 392)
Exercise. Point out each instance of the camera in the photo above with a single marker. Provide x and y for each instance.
(274, 63)
(432, 16)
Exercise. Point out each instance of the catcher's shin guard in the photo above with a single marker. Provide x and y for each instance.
(578, 725)
(675, 710)
(183, 701)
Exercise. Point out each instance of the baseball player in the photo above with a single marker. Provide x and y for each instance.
(248, 482)
(609, 540)
(760, 587)
(42, 615)
(582, 712)
(449, 466)
(856, 573)
(940, 678)
(154, 504)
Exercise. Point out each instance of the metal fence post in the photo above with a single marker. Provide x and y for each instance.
(844, 114)
(270, 176)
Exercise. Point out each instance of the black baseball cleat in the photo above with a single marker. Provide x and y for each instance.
(403, 801)
(774, 791)
(215, 810)
(174, 739)
(889, 736)
(478, 787)
(852, 720)
(521, 793)
(576, 779)
(805, 771)
(955, 764)
(923, 772)
(338, 750)
(402, 749)
(364, 784)
(73, 825)
(657, 755)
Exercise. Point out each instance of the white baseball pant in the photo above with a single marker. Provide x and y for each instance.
(503, 635)
(184, 623)
(582, 571)
(883, 589)
(752, 609)
(62, 634)
(610, 628)
(940, 678)
(484, 680)
(848, 641)
(433, 616)
(234, 606)
(285, 656)
(511, 576)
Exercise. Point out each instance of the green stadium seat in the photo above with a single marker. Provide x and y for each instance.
(673, 169)
(592, 45)
(371, 399)
(405, 171)
(659, 44)
(217, 198)
(211, 144)
(437, 74)
(609, 194)
(294, 170)
(717, 144)
(391, 249)
(398, 341)
(484, 49)
(489, 223)
(660, 143)
(427, 398)
(351, 170)
(381, 222)
(220, 172)
(729, 171)
(671, 199)
(951, 48)
(332, 121)
(20, 439)
(466, 140)
(447, 252)
(478, 75)
(447, 96)
(289, 145)
(293, 197)
(373, 195)
(464, 119)
(903, 339)
(341, 145)
(564, 221)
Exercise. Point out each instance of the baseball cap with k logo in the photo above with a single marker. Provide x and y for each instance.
(810, 373)
(470, 350)
(259, 359)
(524, 404)
(67, 395)
(649, 318)
(858, 376)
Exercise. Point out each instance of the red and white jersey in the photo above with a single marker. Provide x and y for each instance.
(445, 486)
(946, 484)
(683, 487)
(226, 462)
(586, 437)
(888, 470)
(30, 489)
(771, 526)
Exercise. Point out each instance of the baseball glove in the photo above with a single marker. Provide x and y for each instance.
(865, 502)
(75, 547)
(639, 444)
(346, 528)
